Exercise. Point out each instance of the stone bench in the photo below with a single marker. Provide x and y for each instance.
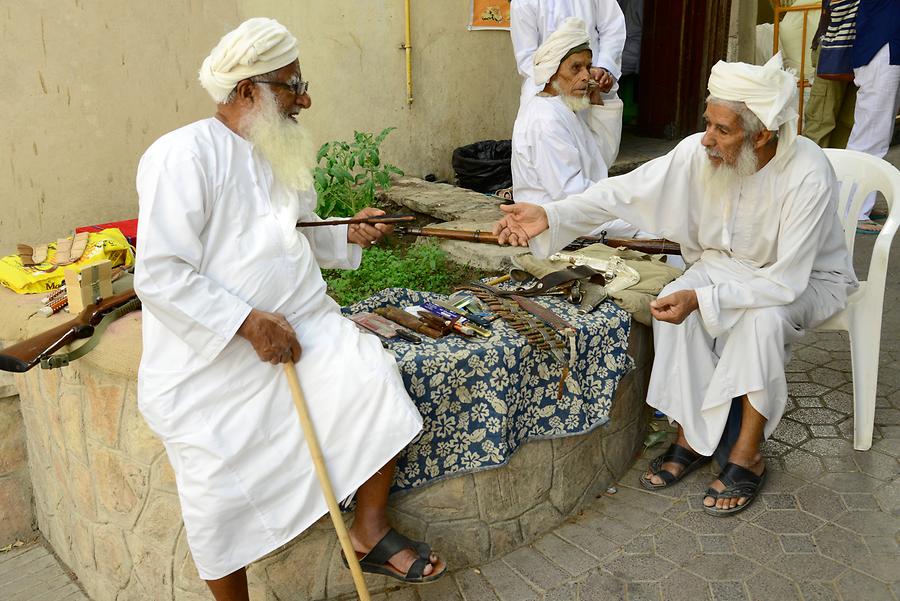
(105, 497)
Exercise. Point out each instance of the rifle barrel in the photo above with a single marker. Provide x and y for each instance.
(374, 219)
(652, 246)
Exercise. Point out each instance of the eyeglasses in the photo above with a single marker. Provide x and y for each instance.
(298, 88)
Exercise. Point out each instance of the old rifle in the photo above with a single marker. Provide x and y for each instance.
(90, 323)
(654, 246)
(370, 220)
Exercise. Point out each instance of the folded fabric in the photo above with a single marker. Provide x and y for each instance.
(655, 274)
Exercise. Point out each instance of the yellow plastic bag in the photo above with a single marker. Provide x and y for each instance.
(105, 244)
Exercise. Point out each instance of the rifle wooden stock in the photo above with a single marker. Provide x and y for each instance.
(652, 246)
(24, 355)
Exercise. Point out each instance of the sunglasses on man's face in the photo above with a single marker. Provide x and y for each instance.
(298, 88)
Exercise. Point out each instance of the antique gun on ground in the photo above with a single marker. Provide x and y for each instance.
(90, 323)
(652, 246)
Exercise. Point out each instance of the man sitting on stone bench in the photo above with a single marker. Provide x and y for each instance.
(231, 289)
(754, 209)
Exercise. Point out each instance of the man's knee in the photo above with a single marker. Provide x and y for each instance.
(763, 321)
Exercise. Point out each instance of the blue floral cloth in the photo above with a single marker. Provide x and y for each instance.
(480, 398)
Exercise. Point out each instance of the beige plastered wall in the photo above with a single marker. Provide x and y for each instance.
(89, 84)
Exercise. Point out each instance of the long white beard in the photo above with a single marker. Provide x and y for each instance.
(719, 179)
(283, 141)
(576, 103)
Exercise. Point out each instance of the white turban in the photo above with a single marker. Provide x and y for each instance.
(769, 92)
(571, 33)
(257, 46)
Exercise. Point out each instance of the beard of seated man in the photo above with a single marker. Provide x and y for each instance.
(283, 140)
(577, 102)
(726, 175)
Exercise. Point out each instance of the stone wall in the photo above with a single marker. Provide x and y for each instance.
(105, 496)
(16, 516)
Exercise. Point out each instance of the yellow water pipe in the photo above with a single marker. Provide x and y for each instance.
(407, 46)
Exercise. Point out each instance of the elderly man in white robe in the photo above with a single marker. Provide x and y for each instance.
(560, 142)
(532, 22)
(754, 209)
(231, 289)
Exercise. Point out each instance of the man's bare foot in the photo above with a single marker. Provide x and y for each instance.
(364, 540)
(755, 464)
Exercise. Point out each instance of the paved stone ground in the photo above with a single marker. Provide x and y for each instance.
(33, 573)
(826, 527)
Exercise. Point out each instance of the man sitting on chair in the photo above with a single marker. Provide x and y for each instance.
(754, 209)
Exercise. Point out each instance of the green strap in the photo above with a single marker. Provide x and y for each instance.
(63, 359)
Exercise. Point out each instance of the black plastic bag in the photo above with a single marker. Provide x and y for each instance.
(484, 166)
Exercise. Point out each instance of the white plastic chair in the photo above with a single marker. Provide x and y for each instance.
(859, 174)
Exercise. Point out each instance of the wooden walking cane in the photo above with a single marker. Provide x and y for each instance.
(315, 451)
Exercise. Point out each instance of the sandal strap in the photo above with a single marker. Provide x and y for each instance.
(739, 482)
(390, 544)
(422, 548)
(734, 475)
(679, 454)
(417, 570)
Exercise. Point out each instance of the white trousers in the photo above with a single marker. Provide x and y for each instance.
(877, 103)
(695, 376)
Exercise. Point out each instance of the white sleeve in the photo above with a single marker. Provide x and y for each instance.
(329, 244)
(525, 34)
(176, 199)
(803, 227)
(655, 197)
(609, 30)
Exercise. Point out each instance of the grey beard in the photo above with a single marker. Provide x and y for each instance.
(575, 103)
(719, 179)
(283, 141)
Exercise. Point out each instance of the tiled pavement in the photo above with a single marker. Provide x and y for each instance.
(826, 527)
(33, 573)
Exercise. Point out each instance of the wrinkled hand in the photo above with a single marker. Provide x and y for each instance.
(272, 337)
(523, 222)
(365, 234)
(604, 79)
(675, 307)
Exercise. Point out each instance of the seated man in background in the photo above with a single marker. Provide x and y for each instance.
(532, 22)
(561, 144)
(754, 208)
(231, 289)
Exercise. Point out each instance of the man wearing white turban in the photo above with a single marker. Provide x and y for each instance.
(231, 289)
(562, 140)
(754, 209)
(533, 21)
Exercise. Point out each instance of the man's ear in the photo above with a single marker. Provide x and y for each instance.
(245, 91)
(763, 138)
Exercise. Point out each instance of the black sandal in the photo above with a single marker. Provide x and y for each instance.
(376, 560)
(739, 482)
(674, 454)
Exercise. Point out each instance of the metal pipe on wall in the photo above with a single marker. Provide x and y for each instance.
(407, 46)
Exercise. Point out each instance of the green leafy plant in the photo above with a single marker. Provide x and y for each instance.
(348, 174)
(419, 267)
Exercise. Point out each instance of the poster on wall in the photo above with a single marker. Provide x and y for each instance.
(489, 14)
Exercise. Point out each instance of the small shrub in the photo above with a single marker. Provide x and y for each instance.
(419, 267)
(348, 174)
